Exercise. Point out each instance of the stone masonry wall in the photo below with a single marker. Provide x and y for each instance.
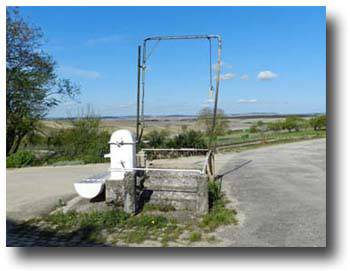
(183, 190)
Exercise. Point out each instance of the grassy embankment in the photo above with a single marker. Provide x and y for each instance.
(240, 141)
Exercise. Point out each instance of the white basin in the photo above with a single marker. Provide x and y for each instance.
(91, 187)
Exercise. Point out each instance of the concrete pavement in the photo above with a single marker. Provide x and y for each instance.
(36, 190)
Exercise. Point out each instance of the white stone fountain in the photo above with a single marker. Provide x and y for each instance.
(123, 159)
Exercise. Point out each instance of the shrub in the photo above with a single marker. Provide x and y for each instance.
(84, 141)
(275, 126)
(162, 139)
(317, 123)
(293, 123)
(188, 139)
(20, 159)
(205, 120)
(253, 129)
(244, 137)
(195, 236)
(260, 123)
(157, 139)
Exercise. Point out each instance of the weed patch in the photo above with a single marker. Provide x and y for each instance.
(218, 215)
(195, 236)
(157, 207)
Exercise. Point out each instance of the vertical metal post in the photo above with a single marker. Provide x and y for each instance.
(138, 93)
(216, 94)
(143, 83)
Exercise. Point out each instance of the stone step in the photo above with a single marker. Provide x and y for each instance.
(179, 200)
(172, 181)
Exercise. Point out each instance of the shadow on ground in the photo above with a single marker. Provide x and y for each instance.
(26, 235)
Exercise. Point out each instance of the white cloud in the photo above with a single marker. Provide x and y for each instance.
(247, 101)
(228, 76)
(244, 77)
(127, 105)
(266, 75)
(105, 39)
(72, 71)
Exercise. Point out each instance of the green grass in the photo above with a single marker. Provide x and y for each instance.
(96, 220)
(157, 207)
(130, 229)
(218, 215)
(214, 191)
(118, 226)
(195, 236)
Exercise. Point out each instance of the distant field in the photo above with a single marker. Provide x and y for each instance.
(172, 124)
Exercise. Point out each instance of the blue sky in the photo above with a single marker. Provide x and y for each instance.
(274, 58)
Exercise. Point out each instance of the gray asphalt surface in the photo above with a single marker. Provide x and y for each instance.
(36, 191)
(280, 195)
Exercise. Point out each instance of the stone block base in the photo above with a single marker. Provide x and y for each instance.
(183, 190)
(122, 193)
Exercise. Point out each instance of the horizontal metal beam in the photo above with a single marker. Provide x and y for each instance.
(155, 169)
(186, 37)
(170, 149)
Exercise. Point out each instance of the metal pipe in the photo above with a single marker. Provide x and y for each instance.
(169, 149)
(206, 161)
(138, 92)
(143, 78)
(216, 93)
(183, 37)
(155, 169)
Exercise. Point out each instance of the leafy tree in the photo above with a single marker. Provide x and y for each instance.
(32, 85)
(205, 120)
(275, 126)
(293, 123)
(318, 123)
(83, 141)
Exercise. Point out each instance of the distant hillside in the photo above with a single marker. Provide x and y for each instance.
(253, 115)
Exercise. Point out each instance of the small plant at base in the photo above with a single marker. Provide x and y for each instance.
(214, 190)
(161, 208)
(195, 236)
(148, 221)
(60, 203)
(135, 236)
(212, 239)
(217, 216)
